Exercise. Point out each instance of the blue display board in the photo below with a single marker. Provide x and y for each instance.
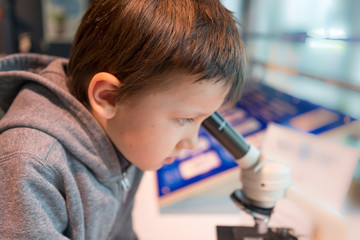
(259, 105)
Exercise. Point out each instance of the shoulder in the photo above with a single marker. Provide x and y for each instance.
(31, 160)
(28, 143)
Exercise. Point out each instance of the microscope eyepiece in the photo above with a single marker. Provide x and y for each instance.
(228, 137)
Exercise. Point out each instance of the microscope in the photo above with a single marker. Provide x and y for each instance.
(265, 181)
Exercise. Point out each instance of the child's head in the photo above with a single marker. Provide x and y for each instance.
(152, 70)
(139, 40)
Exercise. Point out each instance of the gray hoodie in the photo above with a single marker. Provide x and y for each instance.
(60, 175)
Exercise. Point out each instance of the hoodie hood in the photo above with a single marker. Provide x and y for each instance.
(43, 102)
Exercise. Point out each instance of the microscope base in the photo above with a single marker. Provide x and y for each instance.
(250, 233)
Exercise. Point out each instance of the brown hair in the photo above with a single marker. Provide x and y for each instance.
(139, 40)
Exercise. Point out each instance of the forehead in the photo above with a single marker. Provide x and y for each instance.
(177, 82)
(184, 93)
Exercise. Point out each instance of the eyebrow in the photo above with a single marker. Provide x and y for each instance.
(197, 113)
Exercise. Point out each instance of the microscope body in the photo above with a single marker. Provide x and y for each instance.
(264, 181)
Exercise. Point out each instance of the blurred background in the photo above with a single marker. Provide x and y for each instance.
(309, 49)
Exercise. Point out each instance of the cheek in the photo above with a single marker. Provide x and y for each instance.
(151, 141)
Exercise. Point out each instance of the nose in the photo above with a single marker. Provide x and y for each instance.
(190, 141)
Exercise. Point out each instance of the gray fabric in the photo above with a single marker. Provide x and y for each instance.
(60, 176)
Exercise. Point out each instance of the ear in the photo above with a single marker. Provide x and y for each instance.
(101, 92)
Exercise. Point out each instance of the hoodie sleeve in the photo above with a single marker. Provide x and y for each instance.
(33, 207)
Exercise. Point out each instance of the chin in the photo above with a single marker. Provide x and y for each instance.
(157, 167)
(150, 168)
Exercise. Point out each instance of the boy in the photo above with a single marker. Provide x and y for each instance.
(76, 136)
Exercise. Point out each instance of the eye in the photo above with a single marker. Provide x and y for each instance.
(183, 121)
